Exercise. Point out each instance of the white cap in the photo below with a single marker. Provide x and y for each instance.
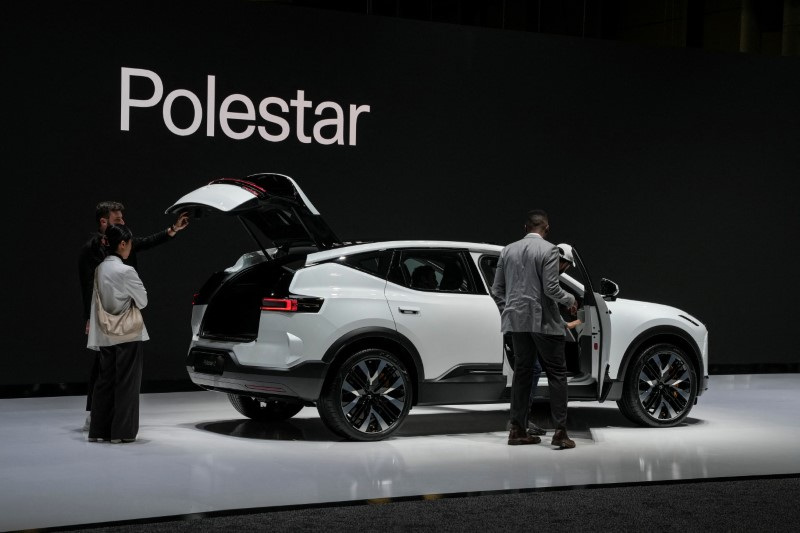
(565, 253)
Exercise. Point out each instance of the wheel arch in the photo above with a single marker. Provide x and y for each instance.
(657, 335)
(376, 337)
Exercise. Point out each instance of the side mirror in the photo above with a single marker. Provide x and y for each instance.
(608, 289)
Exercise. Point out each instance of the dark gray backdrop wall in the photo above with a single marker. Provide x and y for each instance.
(673, 171)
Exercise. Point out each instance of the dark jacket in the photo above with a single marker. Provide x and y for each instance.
(92, 254)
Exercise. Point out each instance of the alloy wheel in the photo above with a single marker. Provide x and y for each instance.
(374, 395)
(665, 385)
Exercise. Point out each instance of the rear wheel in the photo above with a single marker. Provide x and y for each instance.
(368, 397)
(265, 409)
(660, 387)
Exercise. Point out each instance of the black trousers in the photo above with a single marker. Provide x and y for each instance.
(92, 378)
(549, 349)
(115, 399)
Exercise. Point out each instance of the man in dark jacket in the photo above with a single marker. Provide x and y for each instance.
(93, 253)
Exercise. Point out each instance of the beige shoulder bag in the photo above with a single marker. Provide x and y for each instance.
(125, 327)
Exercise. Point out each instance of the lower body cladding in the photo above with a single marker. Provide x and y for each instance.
(217, 370)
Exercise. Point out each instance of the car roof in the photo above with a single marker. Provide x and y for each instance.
(324, 255)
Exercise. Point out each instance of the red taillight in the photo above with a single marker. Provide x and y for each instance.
(194, 298)
(279, 304)
(296, 304)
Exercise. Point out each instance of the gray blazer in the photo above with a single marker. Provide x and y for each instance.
(526, 287)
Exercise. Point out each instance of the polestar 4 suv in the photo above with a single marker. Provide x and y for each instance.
(365, 331)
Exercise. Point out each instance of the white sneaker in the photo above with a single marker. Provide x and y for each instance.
(88, 422)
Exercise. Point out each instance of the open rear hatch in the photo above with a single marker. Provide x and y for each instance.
(272, 205)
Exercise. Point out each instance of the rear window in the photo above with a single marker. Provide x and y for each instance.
(374, 262)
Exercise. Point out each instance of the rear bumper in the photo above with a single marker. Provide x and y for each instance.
(216, 369)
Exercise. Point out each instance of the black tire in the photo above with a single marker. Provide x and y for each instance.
(368, 396)
(624, 410)
(265, 410)
(660, 387)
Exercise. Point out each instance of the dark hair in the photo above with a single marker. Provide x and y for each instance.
(536, 219)
(97, 248)
(115, 234)
(104, 209)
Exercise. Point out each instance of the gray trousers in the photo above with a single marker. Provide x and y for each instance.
(115, 399)
(549, 349)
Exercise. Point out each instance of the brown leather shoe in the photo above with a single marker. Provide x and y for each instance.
(561, 439)
(533, 429)
(517, 436)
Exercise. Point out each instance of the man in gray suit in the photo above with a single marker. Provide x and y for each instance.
(527, 291)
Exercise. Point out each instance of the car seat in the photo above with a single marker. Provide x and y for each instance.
(423, 277)
(452, 278)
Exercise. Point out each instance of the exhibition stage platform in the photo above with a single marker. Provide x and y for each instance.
(195, 454)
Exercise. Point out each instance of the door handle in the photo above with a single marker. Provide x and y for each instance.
(409, 310)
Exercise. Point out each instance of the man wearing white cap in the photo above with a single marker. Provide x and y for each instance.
(566, 260)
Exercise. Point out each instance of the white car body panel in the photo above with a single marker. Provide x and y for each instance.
(220, 196)
(448, 330)
(631, 318)
(353, 300)
(197, 317)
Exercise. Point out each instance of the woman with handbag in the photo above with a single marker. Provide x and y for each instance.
(117, 331)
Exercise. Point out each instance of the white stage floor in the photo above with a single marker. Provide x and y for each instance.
(196, 454)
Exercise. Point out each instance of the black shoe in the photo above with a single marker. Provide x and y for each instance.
(561, 439)
(518, 437)
(533, 429)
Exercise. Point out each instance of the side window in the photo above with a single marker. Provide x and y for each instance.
(488, 265)
(433, 270)
(375, 263)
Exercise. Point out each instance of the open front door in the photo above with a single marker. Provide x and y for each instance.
(598, 324)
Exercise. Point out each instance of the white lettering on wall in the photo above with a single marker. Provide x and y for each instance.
(337, 122)
(167, 112)
(237, 113)
(301, 104)
(210, 90)
(274, 119)
(354, 112)
(225, 115)
(127, 102)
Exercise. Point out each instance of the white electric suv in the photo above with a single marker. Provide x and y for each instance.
(365, 331)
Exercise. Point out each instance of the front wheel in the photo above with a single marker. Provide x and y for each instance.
(265, 409)
(660, 387)
(368, 398)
